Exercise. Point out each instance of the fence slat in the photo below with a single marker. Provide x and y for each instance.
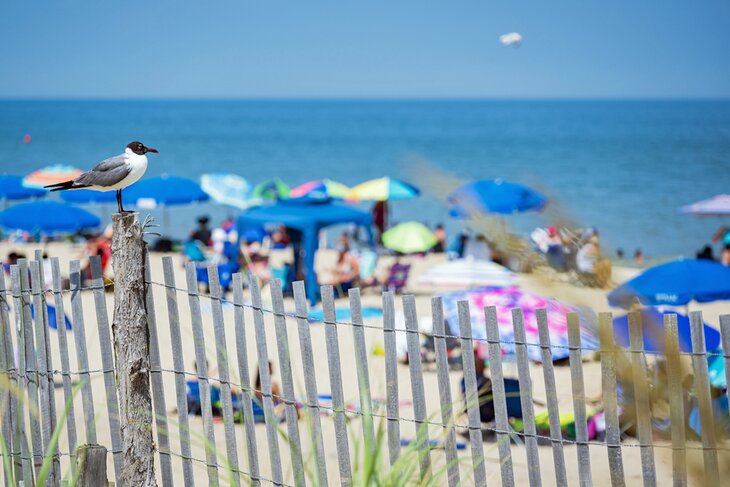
(725, 332)
(472, 395)
(266, 398)
(391, 376)
(7, 405)
(363, 375)
(61, 333)
(247, 396)
(579, 401)
(107, 361)
(338, 400)
(178, 361)
(704, 399)
(24, 471)
(56, 466)
(419, 395)
(158, 393)
(31, 366)
(641, 397)
(216, 295)
(201, 361)
(79, 333)
(499, 397)
(610, 401)
(310, 380)
(528, 413)
(556, 434)
(676, 400)
(447, 415)
(44, 391)
(287, 383)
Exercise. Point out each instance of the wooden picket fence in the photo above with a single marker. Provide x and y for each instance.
(30, 410)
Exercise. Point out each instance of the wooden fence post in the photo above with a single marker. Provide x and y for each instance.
(91, 466)
(131, 347)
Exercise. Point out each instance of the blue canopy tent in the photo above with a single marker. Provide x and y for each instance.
(307, 216)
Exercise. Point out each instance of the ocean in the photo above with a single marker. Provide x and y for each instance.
(624, 167)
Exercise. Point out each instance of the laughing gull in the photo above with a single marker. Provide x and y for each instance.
(113, 174)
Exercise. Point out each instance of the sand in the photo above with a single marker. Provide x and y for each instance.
(533, 282)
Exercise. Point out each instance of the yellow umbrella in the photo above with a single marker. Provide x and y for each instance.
(383, 189)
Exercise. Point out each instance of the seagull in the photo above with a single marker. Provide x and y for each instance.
(113, 174)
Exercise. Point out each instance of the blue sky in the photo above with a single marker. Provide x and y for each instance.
(245, 49)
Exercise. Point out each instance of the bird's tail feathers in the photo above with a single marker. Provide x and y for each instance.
(64, 185)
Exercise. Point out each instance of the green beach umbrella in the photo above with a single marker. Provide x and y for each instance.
(409, 238)
(273, 189)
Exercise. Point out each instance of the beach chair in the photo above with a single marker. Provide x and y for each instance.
(225, 274)
(397, 277)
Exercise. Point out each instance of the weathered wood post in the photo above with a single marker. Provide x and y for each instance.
(91, 466)
(131, 347)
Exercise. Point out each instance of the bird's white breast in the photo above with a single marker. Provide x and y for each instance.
(138, 166)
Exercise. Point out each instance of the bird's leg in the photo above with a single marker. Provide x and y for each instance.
(119, 201)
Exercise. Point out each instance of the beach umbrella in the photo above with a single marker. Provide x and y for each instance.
(494, 196)
(164, 191)
(652, 323)
(409, 238)
(467, 273)
(320, 189)
(675, 283)
(273, 189)
(11, 188)
(87, 196)
(383, 189)
(718, 205)
(507, 298)
(227, 189)
(57, 173)
(47, 217)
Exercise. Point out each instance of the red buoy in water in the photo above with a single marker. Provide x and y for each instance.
(26, 139)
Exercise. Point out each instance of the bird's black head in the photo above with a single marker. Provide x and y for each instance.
(139, 148)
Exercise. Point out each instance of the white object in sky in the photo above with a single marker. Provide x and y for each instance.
(511, 39)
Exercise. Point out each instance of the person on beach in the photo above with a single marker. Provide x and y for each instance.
(380, 218)
(203, 234)
(440, 235)
(347, 271)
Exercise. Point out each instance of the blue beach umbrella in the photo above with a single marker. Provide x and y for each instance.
(227, 189)
(11, 188)
(87, 196)
(494, 196)
(652, 323)
(164, 191)
(47, 217)
(675, 283)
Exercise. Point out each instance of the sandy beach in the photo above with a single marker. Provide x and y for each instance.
(533, 282)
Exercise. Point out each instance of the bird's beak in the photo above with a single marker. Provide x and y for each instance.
(153, 150)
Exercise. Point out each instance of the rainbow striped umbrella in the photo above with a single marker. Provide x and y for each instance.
(57, 173)
(383, 189)
(321, 188)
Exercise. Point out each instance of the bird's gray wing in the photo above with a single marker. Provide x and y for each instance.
(107, 173)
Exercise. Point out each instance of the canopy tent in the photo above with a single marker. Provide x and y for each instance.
(307, 216)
